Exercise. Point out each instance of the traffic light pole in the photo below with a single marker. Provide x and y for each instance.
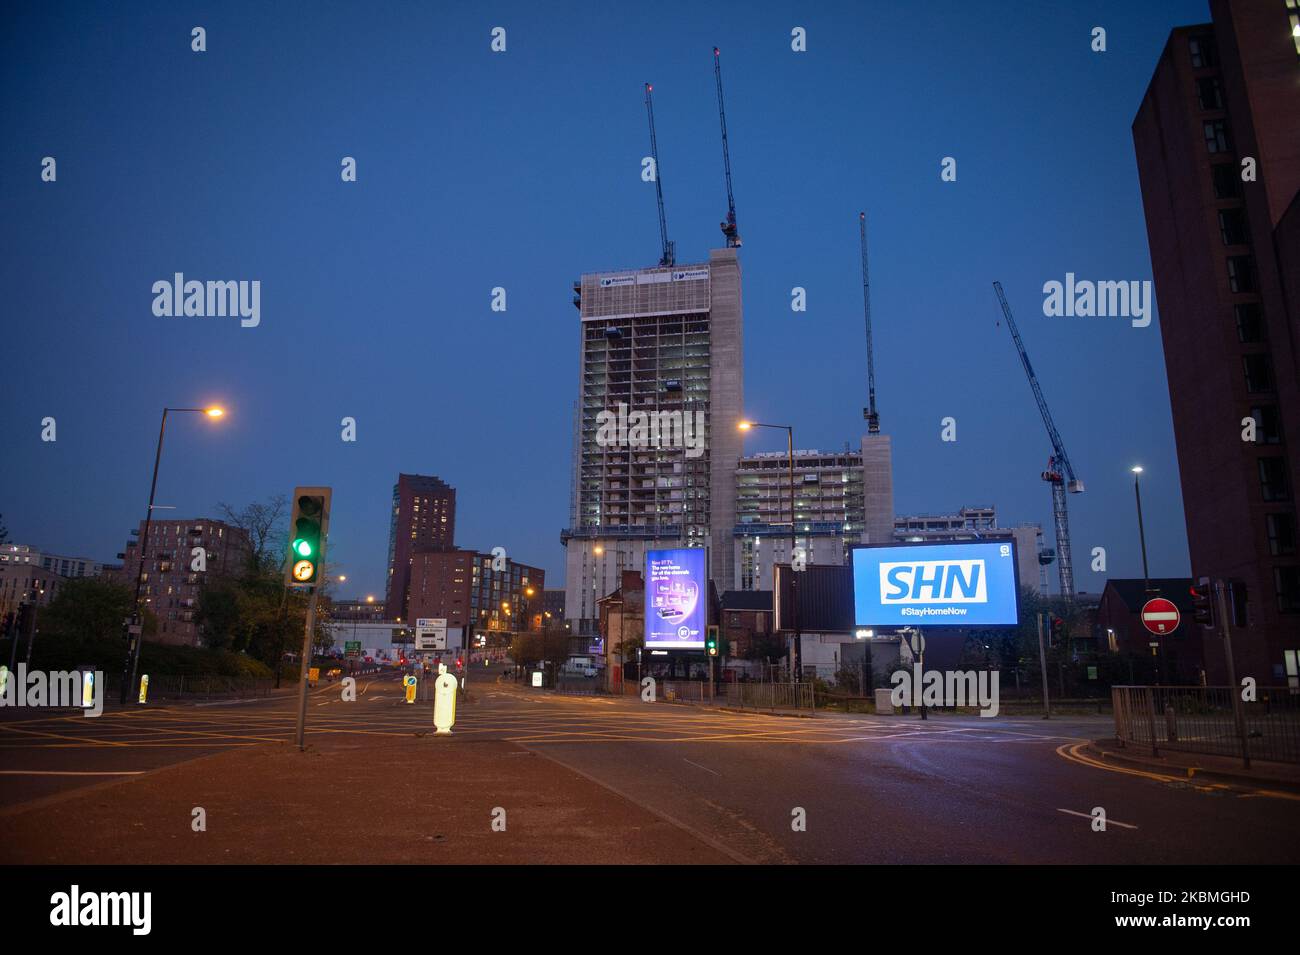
(307, 640)
(1234, 688)
(1042, 665)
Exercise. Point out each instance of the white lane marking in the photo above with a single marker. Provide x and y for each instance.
(698, 766)
(52, 772)
(1088, 815)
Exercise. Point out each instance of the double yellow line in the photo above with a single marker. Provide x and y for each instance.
(1073, 752)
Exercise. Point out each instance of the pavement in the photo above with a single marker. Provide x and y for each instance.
(601, 780)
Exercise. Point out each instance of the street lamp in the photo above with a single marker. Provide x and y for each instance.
(797, 662)
(1142, 537)
(132, 663)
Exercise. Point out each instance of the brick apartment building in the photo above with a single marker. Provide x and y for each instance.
(1226, 259)
(462, 586)
(423, 519)
(169, 587)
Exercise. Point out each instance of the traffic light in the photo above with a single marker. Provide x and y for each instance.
(711, 641)
(1203, 602)
(1055, 632)
(307, 529)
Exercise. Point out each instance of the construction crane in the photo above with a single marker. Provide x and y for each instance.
(728, 227)
(1059, 473)
(869, 412)
(669, 257)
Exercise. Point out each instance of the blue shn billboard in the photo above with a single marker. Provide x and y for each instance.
(940, 584)
(675, 599)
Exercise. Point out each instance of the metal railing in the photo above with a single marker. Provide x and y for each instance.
(750, 696)
(176, 687)
(772, 696)
(1211, 720)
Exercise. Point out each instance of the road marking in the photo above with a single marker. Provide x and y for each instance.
(54, 772)
(1072, 753)
(1086, 815)
(698, 766)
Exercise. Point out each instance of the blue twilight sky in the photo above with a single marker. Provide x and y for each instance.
(522, 169)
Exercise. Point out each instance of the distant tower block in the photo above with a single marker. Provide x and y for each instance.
(878, 488)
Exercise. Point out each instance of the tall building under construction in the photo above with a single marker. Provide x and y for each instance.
(662, 345)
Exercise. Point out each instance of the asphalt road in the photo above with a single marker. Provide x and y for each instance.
(866, 789)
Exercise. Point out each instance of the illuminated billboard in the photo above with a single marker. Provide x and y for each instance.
(675, 599)
(940, 584)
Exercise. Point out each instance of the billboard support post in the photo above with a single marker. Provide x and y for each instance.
(1042, 665)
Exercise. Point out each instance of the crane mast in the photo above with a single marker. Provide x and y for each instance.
(729, 226)
(869, 412)
(669, 257)
(1060, 473)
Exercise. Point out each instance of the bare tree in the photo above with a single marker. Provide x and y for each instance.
(265, 525)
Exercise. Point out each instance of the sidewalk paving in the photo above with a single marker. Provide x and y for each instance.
(350, 798)
(1197, 766)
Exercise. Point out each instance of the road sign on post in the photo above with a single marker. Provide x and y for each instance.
(431, 633)
(352, 648)
(1160, 616)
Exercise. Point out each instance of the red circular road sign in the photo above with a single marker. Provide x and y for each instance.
(1160, 616)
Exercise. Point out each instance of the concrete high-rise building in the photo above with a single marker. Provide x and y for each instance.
(829, 511)
(424, 518)
(1218, 154)
(661, 395)
(25, 554)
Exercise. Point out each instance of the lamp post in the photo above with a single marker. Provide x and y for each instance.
(796, 664)
(1142, 537)
(135, 623)
(1147, 592)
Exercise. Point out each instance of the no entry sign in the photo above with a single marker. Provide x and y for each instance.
(1160, 616)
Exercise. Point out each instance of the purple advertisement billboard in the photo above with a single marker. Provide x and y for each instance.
(675, 595)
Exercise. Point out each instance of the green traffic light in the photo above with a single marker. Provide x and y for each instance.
(302, 547)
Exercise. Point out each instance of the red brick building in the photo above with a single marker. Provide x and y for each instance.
(423, 518)
(170, 585)
(497, 594)
(1224, 98)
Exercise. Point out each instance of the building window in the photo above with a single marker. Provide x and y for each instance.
(1216, 136)
(1250, 328)
(1202, 51)
(1259, 373)
(1241, 273)
(1268, 424)
(1208, 93)
(1273, 482)
(1232, 226)
(1227, 180)
(1281, 534)
(1286, 580)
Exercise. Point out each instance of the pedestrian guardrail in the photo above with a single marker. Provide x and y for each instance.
(1211, 720)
